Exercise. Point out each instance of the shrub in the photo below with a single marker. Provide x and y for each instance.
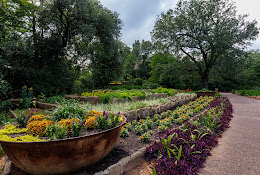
(53, 99)
(138, 81)
(170, 92)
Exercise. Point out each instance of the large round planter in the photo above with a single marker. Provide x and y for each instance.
(62, 156)
(205, 94)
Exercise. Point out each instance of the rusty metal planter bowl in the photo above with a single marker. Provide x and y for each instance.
(205, 94)
(62, 156)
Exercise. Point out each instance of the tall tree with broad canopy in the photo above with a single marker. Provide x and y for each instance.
(204, 30)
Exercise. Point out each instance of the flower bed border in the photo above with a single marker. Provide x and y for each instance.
(152, 110)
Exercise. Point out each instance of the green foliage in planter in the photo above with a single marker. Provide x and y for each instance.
(205, 90)
(218, 95)
(56, 132)
(76, 128)
(68, 109)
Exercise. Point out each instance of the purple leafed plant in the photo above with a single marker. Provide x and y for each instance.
(187, 149)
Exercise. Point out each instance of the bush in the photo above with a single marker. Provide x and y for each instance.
(53, 99)
(248, 92)
(138, 81)
(170, 92)
(127, 87)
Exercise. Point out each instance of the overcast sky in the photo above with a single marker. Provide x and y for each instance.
(139, 16)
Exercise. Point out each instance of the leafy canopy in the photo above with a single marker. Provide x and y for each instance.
(204, 30)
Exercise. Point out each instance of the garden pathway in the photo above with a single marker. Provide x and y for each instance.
(238, 151)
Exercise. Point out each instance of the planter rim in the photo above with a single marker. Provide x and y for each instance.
(68, 139)
(205, 91)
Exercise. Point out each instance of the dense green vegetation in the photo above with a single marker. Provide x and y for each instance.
(248, 92)
(72, 46)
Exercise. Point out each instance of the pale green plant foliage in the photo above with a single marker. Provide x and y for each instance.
(68, 109)
(114, 108)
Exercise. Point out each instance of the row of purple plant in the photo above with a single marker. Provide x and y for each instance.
(183, 151)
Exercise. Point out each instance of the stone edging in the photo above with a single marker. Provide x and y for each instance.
(45, 105)
(152, 110)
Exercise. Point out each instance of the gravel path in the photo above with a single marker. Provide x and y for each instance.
(238, 152)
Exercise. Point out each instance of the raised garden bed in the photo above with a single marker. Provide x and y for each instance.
(96, 100)
(128, 143)
(205, 94)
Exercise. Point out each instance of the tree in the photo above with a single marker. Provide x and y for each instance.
(172, 72)
(204, 30)
(44, 46)
(139, 56)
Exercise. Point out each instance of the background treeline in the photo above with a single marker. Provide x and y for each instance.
(73, 46)
(235, 70)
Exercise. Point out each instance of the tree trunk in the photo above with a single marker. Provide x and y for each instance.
(204, 81)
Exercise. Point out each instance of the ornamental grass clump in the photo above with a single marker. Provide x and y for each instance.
(68, 109)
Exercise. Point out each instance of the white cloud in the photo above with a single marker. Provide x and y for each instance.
(139, 16)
